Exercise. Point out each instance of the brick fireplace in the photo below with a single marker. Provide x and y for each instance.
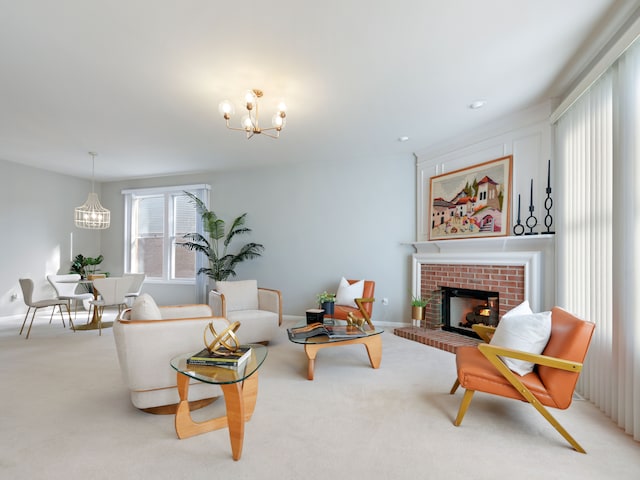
(515, 274)
(508, 281)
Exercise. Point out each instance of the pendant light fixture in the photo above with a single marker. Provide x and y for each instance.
(92, 215)
(250, 123)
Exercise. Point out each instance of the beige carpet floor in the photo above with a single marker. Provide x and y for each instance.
(65, 414)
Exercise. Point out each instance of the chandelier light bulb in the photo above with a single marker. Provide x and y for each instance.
(282, 107)
(277, 121)
(247, 124)
(250, 99)
(226, 108)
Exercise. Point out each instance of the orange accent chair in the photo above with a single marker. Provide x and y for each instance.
(552, 381)
(365, 304)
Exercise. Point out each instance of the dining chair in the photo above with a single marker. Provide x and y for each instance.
(135, 288)
(26, 284)
(111, 293)
(65, 287)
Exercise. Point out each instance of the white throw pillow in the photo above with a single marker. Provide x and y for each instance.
(145, 308)
(527, 332)
(347, 293)
(239, 295)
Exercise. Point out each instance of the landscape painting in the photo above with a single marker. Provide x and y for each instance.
(471, 202)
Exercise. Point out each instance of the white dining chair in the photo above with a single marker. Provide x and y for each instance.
(112, 291)
(135, 288)
(65, 287)
(26, 284)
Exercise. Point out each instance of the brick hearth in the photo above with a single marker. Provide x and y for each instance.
(447, 341)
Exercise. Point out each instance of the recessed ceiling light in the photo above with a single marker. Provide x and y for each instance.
(403, 139)
(477, 104)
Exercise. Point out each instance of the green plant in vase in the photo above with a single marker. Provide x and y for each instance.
(326, 301)
(418, 306)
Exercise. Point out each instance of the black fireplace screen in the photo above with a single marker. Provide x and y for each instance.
(462, 308)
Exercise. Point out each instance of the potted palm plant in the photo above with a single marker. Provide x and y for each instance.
(215, 243)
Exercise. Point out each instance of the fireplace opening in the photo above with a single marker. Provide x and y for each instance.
(462, 308)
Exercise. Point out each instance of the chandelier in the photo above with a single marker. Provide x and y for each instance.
(92, 215)
(250, 123)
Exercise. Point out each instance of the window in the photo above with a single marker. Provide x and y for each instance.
(156, 221)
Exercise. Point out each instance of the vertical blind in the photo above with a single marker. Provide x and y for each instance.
(598, 256)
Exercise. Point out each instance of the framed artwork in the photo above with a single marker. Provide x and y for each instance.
(471, 202)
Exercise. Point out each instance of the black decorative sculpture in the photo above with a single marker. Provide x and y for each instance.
(548, 203)
(531, 220)
(518, 228)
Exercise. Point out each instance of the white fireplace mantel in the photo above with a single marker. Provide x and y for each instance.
(489, 244)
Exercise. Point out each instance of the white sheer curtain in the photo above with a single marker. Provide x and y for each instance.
(598, 246)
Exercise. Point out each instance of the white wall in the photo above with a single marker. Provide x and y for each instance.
(36, 218)
(317, 222)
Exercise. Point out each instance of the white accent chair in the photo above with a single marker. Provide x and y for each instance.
(65, 286)
(147, 337)
(259, 310)
(137, 279)
(112, 291)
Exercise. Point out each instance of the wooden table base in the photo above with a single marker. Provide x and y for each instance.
(240, 400)
(373, 344)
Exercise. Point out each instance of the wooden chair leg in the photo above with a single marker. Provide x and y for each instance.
(464, 405)
(455, 387)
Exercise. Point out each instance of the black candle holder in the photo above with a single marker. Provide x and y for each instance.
(518, 228)
(548, 203)
(531, 221)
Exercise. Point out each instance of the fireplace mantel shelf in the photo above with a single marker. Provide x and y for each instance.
(492, 244)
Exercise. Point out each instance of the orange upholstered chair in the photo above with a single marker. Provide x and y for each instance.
(552, 381)
(365, 304)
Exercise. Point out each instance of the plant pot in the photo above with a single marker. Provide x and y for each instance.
(328, 308)
(417, 313)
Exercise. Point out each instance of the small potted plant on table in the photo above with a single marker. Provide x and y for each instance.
(327, 301)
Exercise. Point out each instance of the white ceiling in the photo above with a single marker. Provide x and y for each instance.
(139, 81)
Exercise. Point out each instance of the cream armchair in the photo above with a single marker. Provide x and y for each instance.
(259, 310)
(147, 337)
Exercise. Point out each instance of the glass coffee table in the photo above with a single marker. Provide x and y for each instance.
(240, 389)
(372, 341)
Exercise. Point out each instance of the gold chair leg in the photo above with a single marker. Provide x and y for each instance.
(24, 322)
(31, 324)
(61, 315)
(531, 398)
(455, 387)
(464, 405)
(73, 327)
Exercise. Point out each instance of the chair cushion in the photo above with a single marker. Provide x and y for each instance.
(239, 295)
(521, 329)
(145, 308)
(347, 293)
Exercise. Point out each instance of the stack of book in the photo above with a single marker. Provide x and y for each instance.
(221, 358)
(331, 331)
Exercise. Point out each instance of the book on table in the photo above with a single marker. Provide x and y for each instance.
(331, 331)
(221, 357)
